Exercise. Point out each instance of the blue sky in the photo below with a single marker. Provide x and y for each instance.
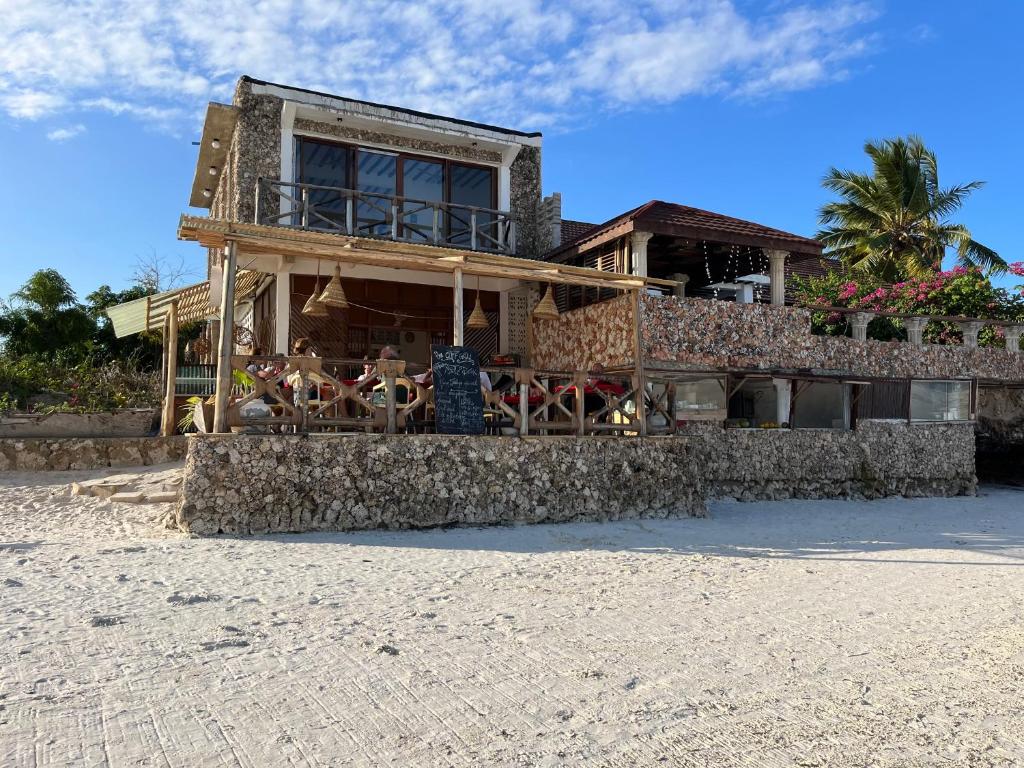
(737, 107)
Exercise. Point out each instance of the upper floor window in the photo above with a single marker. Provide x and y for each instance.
(380, 176)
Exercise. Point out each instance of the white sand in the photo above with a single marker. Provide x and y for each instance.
(792, 633)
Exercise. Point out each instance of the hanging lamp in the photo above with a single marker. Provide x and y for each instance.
(477, 318)
(334, 294)
(313, 307)
(546, 308)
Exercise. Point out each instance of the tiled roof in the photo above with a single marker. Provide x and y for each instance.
(672, 218)
(573, 230)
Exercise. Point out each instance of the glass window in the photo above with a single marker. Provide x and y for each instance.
(324, 165)
(700, 398)
(422, 180)
(377, 178)
(472, 187)
(940, 400)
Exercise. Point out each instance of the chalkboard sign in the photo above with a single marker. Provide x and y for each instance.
(458, 404)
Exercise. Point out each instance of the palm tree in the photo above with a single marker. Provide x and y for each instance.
(894, 223)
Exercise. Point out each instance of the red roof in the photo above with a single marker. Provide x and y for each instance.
(572, 230)
(681, 220)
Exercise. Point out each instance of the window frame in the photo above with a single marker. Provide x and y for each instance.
(400, 155)
(971, 400)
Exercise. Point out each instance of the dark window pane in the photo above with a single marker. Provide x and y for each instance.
(422, 180)
(376, 178)
(324, 165)
(471, 187)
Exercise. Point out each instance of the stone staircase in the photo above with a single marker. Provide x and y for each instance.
(156, 485)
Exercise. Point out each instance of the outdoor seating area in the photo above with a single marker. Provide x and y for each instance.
(304, 394)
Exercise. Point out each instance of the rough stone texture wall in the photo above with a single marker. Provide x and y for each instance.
(363, 136)
(36, 454)
(598, 333)
(255, 151)
(524, 197)
(1001, 415)
(877, 459)
(252, 484)
(702, 334)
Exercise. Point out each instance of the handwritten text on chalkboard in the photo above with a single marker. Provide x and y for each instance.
(458, 404)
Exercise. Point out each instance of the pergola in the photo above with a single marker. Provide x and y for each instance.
(261, 248)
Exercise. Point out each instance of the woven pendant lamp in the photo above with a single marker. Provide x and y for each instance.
(477, 318)
(313, 307)
(334, 294)
(546, 308)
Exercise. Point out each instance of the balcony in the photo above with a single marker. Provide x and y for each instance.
(388, 217)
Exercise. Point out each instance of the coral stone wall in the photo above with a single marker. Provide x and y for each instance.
(598, 333)
(879, 458)
(702, 334)
(252, 484)
(524, 202)
(40, 453)
(257, 484)
(255, 151)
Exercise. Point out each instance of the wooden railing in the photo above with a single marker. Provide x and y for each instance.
(368, 214)
(310, 394)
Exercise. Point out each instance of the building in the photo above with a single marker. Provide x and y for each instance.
(425, 230)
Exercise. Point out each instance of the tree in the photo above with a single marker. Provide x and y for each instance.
(45, 319)
(893, 224)
(145, 349)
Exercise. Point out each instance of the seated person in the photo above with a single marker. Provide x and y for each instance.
(303, 348)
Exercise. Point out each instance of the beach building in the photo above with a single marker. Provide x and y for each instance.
(373, 233)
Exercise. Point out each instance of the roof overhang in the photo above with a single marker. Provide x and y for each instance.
(254, 240)
(195, 303)
(218, 129)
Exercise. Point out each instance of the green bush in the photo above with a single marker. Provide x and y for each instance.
(959, 292)
(81, 387)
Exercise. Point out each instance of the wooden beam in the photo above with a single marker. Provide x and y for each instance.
(167, 421)
(256, 239)
(227, 339)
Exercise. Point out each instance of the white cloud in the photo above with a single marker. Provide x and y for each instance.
(28, 104)
(63, 134)
(507, 61)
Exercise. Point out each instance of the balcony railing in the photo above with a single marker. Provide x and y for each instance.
(390, 217)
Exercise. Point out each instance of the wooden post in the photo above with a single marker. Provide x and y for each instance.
(390, 370)
(640, 387)
(459, 333)
(640, 381)
(579, 382)
(227, 339)
(167, 422)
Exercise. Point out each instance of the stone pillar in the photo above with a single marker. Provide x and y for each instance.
(860, 321)
(777, 275)
(1013, 334)
(680, 288)
(639, 252)
(915, 329)
(970, 330)
(783, 399)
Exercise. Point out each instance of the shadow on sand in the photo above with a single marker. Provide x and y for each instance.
(990, 525)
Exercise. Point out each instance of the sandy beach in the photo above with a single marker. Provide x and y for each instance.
(841, 633)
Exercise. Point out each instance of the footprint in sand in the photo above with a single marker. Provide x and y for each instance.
(188, 598)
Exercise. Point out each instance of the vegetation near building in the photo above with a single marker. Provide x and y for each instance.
(894, 223)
